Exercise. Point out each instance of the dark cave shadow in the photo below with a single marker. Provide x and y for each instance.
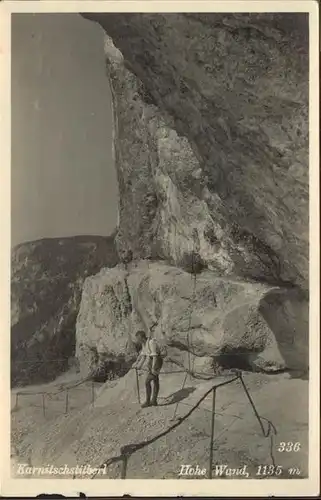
(177, 396)
(286, 314)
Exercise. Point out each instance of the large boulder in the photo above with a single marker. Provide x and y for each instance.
(210, 322)
(211, 139)
(46, 283)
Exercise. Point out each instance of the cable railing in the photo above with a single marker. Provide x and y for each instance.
(128, 450)
(50, 393)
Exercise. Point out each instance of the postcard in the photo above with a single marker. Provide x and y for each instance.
(160, 251)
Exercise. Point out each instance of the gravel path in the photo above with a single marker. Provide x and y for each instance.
(91, 435)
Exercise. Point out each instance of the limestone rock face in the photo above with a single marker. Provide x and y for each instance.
(211, 139)
(214, 319)
(47, 278)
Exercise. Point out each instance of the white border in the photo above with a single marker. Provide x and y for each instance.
(233, 488)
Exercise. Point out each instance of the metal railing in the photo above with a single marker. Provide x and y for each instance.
(52, 393)
(128, 450)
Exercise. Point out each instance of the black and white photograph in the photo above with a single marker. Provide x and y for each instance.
(160, 248)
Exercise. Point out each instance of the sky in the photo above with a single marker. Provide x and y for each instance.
(63, 180)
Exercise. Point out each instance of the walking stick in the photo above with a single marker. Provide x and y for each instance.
(43, 405)
(67, 401)
(137, 384)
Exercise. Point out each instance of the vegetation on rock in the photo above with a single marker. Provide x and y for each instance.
(46, 286)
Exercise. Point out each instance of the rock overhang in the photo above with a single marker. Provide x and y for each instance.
(239, 122)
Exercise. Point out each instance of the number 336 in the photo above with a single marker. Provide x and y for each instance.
(289, 446)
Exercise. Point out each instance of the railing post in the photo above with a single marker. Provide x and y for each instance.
(17, 397)
(67, 401)
(92, 393)
(137, 385)
(212, 434)
(43, 404)
(252, 403)
(124, 468)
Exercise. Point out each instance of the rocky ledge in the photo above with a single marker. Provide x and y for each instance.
(208, 324)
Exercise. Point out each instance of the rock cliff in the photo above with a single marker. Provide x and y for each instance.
(211, 139)
(211, 151)
(46, 283)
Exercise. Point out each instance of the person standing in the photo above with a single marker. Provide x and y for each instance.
(150, 352)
